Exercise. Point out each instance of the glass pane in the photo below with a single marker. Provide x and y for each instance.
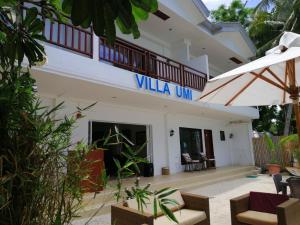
(191, 142)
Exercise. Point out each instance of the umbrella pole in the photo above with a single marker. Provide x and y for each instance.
(297, 115)
(294, 94)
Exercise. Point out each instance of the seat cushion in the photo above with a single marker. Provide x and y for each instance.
(184, 217)
(257, 218)
(149, 208)
(265, 202)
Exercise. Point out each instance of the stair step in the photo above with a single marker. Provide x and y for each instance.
(171, 181)
(91, 206)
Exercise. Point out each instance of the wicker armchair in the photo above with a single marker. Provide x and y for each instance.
(277, 178)
(294, 183)
(123, 215)
(287, 213)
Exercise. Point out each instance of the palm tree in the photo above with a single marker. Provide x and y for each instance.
(271, 19)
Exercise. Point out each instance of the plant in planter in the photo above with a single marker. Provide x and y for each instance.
(273, 166)
(131, 168)
(292, 145)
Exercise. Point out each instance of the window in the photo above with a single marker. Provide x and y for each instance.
(190, 142)
(222, 135)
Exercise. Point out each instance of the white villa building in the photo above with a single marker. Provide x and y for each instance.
(149, 87)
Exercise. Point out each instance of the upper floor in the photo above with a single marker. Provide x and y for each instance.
(178, 45)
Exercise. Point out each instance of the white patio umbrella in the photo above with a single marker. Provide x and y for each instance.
(271, 80)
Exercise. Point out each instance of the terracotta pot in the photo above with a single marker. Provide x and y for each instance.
(273, 168)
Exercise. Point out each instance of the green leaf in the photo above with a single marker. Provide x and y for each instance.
(110, 29)
(269, 141)
(135, 31)
(117, 163)
(139, 14)
(80, 11)
(155, 207)
(67, 6)
(31, 15)
(168, 212)
(167, 193)
(122, 26)
(36, 27)
(162, 190)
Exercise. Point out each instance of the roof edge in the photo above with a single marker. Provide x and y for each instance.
(202, 7)
(237, 27)
(215, 28)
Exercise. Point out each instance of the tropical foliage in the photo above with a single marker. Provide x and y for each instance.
(265, 24)
(291, 143)
(36, 187)
(271, 146)
(271, 19)
(103, 14)
(235, 12)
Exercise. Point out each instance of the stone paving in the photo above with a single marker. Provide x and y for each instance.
(219, 193)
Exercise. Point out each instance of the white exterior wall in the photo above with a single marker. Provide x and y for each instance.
(78, 81)
(242, 155)
(225, 151)
(165, 149)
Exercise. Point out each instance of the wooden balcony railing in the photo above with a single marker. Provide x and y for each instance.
(68, 36)
(134, 58)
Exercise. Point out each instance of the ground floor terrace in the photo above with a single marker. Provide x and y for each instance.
(169, 127)
(220, 185)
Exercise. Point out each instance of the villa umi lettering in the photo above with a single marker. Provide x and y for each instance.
(161, 87)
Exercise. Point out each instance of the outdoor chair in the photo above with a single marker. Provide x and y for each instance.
(294, 184)
(191, 210)
(277, 178)
(258, 208)
(190, 164)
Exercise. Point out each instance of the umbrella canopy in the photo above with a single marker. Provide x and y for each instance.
(265, 81)
(271, 80)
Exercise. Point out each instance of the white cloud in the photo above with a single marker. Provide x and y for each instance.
(214, 4)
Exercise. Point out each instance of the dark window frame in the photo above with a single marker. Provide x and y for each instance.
(194, 153)
(222, 135)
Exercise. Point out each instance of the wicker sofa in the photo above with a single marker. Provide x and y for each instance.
(286, 213)
(192, 210)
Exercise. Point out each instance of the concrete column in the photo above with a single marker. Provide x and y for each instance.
(95, 47)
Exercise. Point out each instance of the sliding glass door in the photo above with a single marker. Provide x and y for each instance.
(191, 142)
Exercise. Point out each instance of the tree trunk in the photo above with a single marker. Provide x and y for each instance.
(287, 121)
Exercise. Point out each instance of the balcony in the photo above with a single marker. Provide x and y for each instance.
(124, 55)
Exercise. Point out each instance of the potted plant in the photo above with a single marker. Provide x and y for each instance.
(273, 166)
(291, 144)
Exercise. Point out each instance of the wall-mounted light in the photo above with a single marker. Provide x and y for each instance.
(172, 133)
(231, 135)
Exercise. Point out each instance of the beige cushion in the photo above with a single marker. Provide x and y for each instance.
(132, 203)
(184, 217)
(257, 218)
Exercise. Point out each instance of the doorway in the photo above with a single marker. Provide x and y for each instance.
(190, 142)
(137, 134)
(209, 148)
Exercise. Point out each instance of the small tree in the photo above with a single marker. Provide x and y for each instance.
(291, 144)
(35, 187)
(272, 147)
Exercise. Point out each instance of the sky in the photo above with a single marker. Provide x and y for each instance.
(214, 4)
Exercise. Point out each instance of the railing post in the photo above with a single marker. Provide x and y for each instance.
(147, 63)
(96, 47)
(181, 69)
